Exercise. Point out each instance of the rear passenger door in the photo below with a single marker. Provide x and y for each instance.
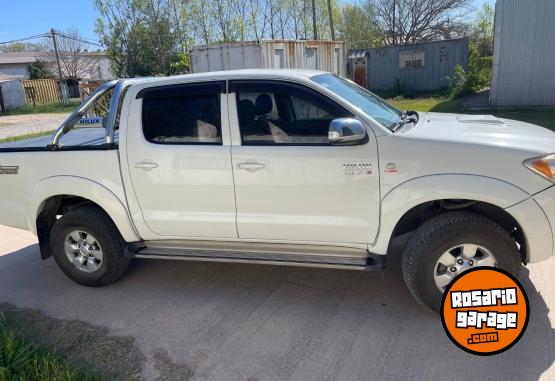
(178, 155)
(290, 183)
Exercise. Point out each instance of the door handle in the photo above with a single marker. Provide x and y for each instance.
(251, 166)
(146, 165)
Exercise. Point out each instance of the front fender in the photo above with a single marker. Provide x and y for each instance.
(404, 197)
(85, 188)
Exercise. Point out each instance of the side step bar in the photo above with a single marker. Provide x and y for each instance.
(271, 254)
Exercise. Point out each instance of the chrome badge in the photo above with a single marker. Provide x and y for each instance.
(11, 170)
(357, 169)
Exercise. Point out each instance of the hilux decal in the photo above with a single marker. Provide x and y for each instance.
(357, 169)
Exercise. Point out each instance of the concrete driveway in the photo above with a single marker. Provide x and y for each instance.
(250, 322)
(16, 125)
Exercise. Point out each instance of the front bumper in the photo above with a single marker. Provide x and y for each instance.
(536, 217)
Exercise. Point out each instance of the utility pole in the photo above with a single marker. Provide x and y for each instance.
(314, 29)
(63, 88)
(56, 52)
(331, 21)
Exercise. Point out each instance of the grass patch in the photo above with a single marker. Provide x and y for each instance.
(46, 108)
(80, 345)
(21, 360)
(23, 137)
(541, 117)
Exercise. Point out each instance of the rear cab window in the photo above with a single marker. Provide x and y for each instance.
(183, 114)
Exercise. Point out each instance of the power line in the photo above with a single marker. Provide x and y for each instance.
(81, 39)
(25, 39)
(47, 35)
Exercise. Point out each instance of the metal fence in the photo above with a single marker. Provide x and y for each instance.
(41, 91)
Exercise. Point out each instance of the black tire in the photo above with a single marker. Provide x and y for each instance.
(439, 234)
(97, 223)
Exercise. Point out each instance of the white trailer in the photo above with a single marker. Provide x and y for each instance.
(270, 54)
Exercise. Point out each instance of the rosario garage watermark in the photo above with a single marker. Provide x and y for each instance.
(485, 311)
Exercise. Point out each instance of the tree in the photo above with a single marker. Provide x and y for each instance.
(409, 21)
(141, 36)
(16, 47)
(480, 61)
(39, 70)
(482, 30)
(76, 61)
(358, 26)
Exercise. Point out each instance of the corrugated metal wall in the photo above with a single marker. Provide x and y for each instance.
(275, 54)
(439, 61)
(292, 54)
(524, 53)
(217, 57)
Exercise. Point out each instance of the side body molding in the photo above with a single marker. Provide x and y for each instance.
(81, 187)
(402, 198)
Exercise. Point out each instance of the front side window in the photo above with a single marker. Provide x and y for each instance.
(188, 115)
(276, 113)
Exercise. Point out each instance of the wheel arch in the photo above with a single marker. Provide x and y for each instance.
(55, 195)
(417, 200)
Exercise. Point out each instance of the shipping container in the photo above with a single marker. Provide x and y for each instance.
(420, 67)
(270, 54)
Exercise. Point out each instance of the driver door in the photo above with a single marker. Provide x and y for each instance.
(291, 184)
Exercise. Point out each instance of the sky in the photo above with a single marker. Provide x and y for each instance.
(23, 18)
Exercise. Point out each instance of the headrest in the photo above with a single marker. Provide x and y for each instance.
(246, 109)
(263, 105)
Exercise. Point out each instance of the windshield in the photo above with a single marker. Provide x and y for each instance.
(369, 103)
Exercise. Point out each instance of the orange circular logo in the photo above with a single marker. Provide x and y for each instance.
(485, 311)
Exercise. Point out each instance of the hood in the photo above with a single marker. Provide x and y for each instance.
(484, 130)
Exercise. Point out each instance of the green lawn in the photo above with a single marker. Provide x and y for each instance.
(22, 361)
(44, 108)
(22, 137)
(542, 117)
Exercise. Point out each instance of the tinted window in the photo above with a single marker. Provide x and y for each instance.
(271, 113)
(181, 117)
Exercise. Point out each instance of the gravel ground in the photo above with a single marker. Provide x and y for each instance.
(15, 125)
(172, 320)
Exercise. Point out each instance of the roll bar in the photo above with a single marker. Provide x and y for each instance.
(70, 122)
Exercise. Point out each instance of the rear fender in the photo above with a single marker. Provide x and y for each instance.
(87, 189)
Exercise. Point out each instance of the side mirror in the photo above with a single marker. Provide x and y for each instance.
(346, 130)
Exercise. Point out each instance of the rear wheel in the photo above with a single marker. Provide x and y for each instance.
(88, 247)
(449, 245)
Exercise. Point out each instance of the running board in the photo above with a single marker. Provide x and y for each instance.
(258, 253)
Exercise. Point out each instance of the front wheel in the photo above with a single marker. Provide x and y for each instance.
(449, 245)
(88, 247)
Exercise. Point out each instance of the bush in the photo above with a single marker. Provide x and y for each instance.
(475, 78)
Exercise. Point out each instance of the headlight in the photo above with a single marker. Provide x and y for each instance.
(543, 166)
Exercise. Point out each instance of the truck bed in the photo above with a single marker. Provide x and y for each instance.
(83, 138)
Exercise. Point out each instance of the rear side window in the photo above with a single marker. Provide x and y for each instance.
(182, 115)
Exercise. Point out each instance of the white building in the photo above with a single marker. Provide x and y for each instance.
(16, 64)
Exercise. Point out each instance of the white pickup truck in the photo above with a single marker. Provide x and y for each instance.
(298, 168)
